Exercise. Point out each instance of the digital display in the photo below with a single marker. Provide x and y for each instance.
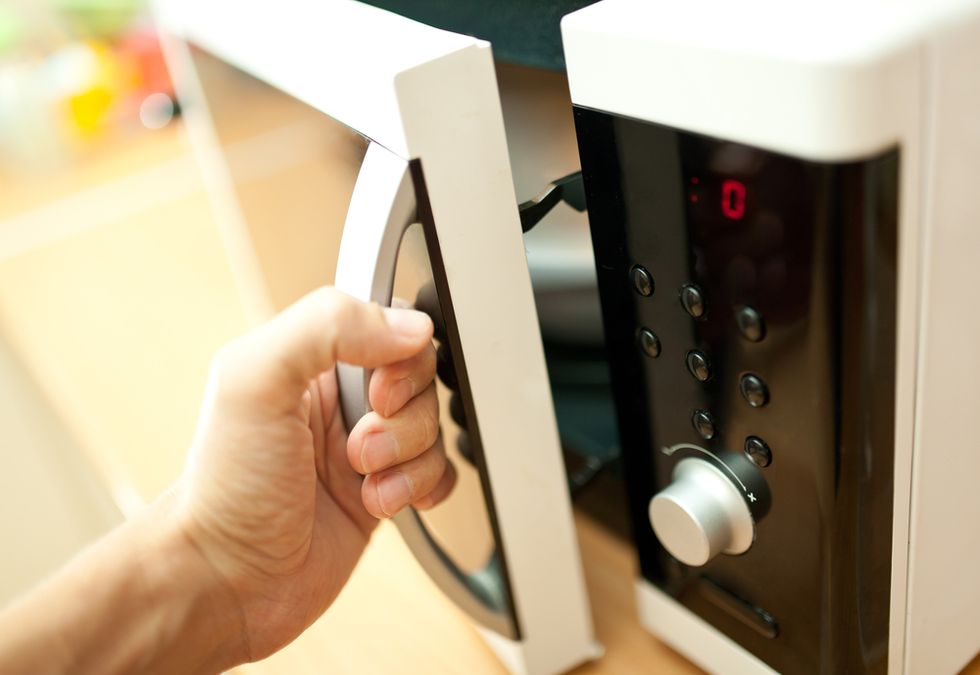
(728, 194)
(732, 199)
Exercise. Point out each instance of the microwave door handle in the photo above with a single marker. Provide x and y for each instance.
(382, 207)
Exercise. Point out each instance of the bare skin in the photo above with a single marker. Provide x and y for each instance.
(273, 511)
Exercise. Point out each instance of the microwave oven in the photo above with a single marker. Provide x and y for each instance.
(779, 197)
(778, 200)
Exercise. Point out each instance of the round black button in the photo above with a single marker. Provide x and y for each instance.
(692, 300)
(750, 323)
(757, 450)
(699, 366)
(754, 390)
(642, 281)
(649, 343)
(704, 424)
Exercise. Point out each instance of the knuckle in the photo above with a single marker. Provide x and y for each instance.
(370, 423)
(224, 371)
(327, 296)
(430, 419)
(354, 451)
(369, 497)
(331, 306)
(429, 363)
(439, 463)
(221, 361)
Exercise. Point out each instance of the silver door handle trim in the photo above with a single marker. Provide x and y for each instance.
(383, 205)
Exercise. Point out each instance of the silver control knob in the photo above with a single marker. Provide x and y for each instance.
(701, 513)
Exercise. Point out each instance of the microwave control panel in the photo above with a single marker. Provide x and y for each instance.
(749, 311)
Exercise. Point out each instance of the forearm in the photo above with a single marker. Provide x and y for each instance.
(142, 599)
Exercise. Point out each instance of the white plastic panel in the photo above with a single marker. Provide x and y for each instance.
(943, 613)
(816, 82)
(680, 628)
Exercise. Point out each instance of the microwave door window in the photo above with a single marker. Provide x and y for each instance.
(461, 528)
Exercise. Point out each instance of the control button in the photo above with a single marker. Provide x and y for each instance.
(757, 450)
(693, 300)
(754, 390)
(750, 323)
(704, 424)
(701, 514)
(642, 281)
(699, 366)
(649, 343)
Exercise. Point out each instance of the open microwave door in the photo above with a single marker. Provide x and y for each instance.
(432, 219)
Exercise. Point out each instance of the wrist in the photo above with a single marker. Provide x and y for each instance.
(143, 599)
(200, 624)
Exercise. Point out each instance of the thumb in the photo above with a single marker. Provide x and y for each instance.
(327, 326)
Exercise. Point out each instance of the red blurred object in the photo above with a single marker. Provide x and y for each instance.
(141, 47)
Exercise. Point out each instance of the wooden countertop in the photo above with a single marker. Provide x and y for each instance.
(392, 619)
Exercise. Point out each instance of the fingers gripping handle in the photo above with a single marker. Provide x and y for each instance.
(381, 209)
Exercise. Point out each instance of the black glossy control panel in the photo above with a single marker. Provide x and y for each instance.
(749, 307)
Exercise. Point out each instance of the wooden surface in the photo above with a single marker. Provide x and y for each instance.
(116, 294)
(391, 619)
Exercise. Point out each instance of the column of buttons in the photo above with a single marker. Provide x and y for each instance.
(643, 284)
(753, 389)
(698, 363)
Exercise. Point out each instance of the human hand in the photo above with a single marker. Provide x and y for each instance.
(276, 496)
(274, 509)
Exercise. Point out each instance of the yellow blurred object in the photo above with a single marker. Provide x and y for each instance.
(93, 81)
(89, 109)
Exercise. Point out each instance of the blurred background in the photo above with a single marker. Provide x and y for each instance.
(100, 205)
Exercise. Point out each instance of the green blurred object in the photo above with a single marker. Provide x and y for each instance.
(527, 32)
(98, 18)
(11, 29)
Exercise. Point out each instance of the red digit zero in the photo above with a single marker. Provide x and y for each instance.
(732, 199)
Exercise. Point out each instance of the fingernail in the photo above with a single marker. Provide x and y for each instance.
(400, 393)
(394, 493)
(378, 451)
(409, 322)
